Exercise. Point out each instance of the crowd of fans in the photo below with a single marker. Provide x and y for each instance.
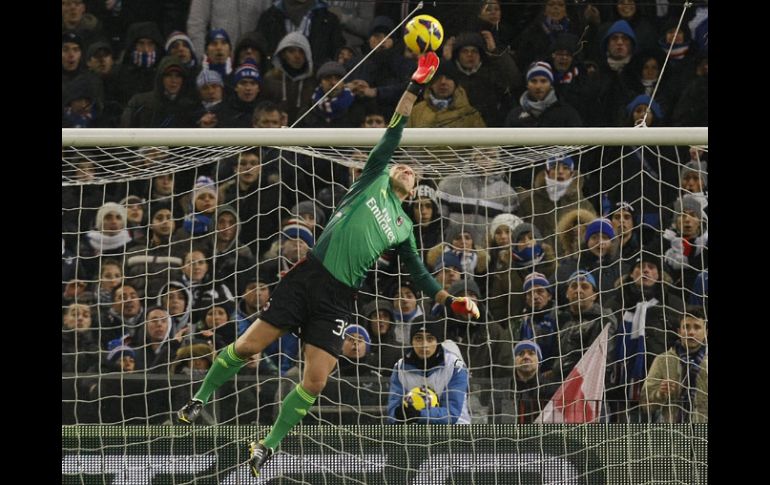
(160, 274)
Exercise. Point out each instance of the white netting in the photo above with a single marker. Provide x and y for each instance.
(258, 188)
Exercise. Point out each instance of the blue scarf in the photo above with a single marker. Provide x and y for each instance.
(144, 59)
(196, 224)
(542, 329)
(630, 354)
(691, 366)
(528, 256)
(77, 120)
(335, 107)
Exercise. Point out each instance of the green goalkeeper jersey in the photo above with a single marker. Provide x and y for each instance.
(369, 220)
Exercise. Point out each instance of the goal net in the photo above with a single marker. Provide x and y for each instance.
(586, 250)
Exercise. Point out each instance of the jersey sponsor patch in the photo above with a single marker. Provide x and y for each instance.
(399, 221)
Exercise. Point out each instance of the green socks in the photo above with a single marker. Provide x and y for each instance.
(226, 365)
(293, 409)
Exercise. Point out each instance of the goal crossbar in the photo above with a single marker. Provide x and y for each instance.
(113, 137)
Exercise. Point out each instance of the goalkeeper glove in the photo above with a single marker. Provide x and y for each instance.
(427, 65)
(462, 306)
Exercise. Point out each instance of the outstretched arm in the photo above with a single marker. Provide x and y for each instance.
(382, 153)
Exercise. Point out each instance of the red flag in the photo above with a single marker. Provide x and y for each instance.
(578, 398)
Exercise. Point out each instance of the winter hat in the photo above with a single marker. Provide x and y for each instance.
(540, 68)
(207, 76)
(204, 184)
(564, 41)
(468, 39)
(699, 168)
(107, 208)
(425, 191)
(623, 205)
(381, 24)
(358, 329)
(377, 305)
(119, 351)
(434, 328)
(248, 70)
(296, 229)
(568, 161)
(309, 207)
(213, 298)
(118, 346)
(645, 99)
(72, 37)
(468, 285)
(509, 220)
(688, 203)
(449, 258)
(649, 254)
(331, 68)
(94, 49)
(599, 224)
(216, 34)
(524, 228)
(582, 274)
(538, 279)
(178, 35)
(191, 352)
(528, 345)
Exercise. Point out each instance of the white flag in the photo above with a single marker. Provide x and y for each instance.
(578, 398)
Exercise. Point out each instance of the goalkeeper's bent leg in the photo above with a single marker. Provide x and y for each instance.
(293, 409)
(226, 365)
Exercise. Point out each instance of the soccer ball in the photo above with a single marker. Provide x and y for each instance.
(423, 33)
(421, 397)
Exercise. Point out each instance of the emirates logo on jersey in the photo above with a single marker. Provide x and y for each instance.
(399, 221)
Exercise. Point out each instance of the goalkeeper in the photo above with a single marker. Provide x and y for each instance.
(432, 365)
(315, 298)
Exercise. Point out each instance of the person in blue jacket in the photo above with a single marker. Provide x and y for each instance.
(430, 364)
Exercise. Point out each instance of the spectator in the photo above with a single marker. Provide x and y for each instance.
(539, 105)
(426, 215)
(616, 52)
(461, 242)
(532, 388)
(177, 300)
(386, 350)
(200, 220)
(79, 342)
(311, 19)
(573, 82)
(528, 253)
(624, 227)
(218, 56)
(253, 45)
(676, 389)
(687, 241)
(445, 104)
(499, 245)
(484, 344)
(140, 59)
(647, 309)
(157, 348)
(125, 315)
(72, 62)
(239, 110)
(215, 326)
(211, 91)
(108, 238)
(556, 191)
(193, 361)
(407, 308)
(486, 72)
(180, 45)
(532, 44)
(538, 322)
(231, 259)
(75, 19)
(339, 108)
(288, 82)
(430, 363)
(169, 105)
(581, 322)
(490, 19)
(233, 16)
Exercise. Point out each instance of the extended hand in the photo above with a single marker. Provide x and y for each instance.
(427, 65)
(463, 306)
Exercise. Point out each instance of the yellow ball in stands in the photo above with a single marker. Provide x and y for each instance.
(423, 33)
(421, 397)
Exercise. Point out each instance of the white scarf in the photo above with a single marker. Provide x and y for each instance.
(556, 189)
(101, 242)
(638, 317)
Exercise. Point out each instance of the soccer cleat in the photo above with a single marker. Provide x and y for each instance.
(190, 411)
(258, 455)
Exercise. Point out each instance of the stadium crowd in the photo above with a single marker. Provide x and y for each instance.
(159, 274)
